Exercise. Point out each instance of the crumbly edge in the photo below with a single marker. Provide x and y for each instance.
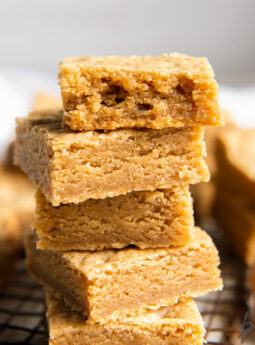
(106, 98)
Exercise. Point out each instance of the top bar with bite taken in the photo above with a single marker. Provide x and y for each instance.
(150, 91)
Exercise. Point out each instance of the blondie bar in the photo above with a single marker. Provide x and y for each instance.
(204, 193)
(154, 92)
(235, 154)
(236, 215)
(43, 101)
(160, 218)
(112, 284)
(16, 214)
(180, 324)
(17, 195)
(73, 167)
(10, 241)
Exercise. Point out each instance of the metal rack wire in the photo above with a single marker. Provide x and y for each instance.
(22, 311)
(223, 311)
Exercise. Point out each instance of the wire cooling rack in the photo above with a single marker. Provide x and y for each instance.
(22, 311)
(224, 311)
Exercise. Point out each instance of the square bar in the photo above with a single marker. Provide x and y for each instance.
(17, 196)
(73, 167)
(150, 91)
(112, 284)
(235, 153)
(180, 324)
(16, 214)
(160, 218)
(236, 216)
(204, 193)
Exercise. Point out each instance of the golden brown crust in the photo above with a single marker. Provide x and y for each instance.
(154, 92)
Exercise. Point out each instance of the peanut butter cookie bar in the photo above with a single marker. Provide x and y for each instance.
(160, 218)
(236, 216)
(112, 284)
(235, 153)
(154, 92)
(180, 324)
(76, 166)
(16, 214)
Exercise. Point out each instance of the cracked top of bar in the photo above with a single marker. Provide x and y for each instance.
(148, 91)
(76, 166)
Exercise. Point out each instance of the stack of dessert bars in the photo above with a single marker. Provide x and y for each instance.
(114, 243)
